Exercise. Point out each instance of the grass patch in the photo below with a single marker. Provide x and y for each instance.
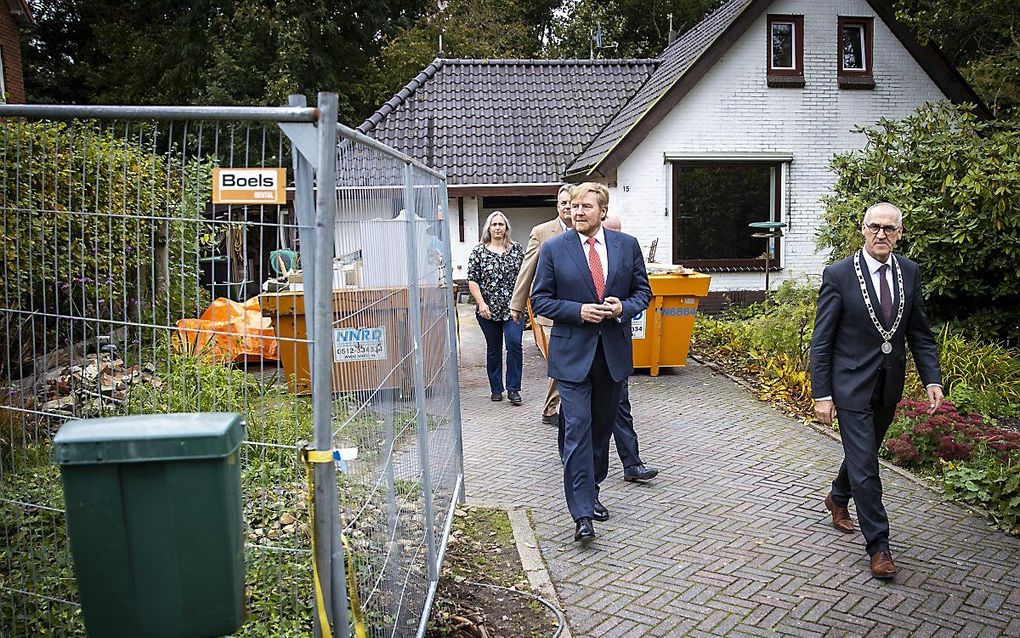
(481, 552)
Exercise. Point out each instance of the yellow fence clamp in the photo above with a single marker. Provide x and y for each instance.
(326, 456)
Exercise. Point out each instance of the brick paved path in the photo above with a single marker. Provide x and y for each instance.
(731, 539)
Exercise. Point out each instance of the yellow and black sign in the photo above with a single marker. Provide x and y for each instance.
(249, 186)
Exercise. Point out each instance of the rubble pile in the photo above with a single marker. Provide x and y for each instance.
(96, 385)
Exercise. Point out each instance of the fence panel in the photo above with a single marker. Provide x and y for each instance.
(396, 373)
(125, 291)
(115, 254)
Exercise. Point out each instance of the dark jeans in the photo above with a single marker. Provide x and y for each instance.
(861, 432)
(496, 332)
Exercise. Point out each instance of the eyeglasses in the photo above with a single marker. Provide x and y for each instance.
(874, 228)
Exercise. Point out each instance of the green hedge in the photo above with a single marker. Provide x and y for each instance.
(957, 180)
(84, 211)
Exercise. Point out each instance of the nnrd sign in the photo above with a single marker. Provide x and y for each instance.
(249, 186)
(359, 344)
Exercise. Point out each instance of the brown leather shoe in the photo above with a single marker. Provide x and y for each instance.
(882, 565)
(840, 515)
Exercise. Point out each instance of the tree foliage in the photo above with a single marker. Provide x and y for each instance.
(630, 28)
(207, 51)
(957, 180)
(104, 207)
(981, 37)
(259, 51)
(469, 29)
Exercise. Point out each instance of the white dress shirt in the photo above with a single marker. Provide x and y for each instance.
(873, 266)
(600, 249)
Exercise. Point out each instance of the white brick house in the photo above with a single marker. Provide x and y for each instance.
(735, 122)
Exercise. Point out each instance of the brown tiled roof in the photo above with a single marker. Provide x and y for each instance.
(506, 121)
(538, 121)
(676, 60)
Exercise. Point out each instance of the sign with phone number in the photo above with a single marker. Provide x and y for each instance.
(359, 344)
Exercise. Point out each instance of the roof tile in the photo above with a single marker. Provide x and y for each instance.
(507, 121)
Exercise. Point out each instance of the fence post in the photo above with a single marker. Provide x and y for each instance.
(328, 546)
(414, 306)
(304, 207)
(451, 324)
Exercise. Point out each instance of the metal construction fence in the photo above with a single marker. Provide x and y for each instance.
(328, 321)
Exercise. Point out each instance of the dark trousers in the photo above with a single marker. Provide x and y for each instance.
(623, 432)
(588, 409)
(862, 432)
(496, 332)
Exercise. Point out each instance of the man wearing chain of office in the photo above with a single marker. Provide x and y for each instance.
(869, 309)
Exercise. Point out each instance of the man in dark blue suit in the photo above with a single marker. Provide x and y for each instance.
(869, 309)
(591, 282)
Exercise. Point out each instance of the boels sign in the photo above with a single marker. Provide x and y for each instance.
(249, 186)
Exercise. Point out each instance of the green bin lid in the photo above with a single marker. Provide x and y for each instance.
(156, 437)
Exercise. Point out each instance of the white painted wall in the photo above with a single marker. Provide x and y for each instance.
(460, 251)
(732, 110)
(522, 220)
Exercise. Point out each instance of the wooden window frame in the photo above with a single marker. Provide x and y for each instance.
(786, 78)
(856, 78)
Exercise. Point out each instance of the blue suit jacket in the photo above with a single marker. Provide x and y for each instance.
(846, 353)
(563, 283)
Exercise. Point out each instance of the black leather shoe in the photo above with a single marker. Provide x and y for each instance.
(639, 472)
(601, 513)
(497, 396)
(550, 419)
(515, 397)
(585, 531)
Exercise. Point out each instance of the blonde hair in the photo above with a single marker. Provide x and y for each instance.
(601, 194)
(487, 236)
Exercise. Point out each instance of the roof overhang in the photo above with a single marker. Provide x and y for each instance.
(672, 96)
(503, 190)
(21, 12)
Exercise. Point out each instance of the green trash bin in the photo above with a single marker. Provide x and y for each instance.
(154, 519)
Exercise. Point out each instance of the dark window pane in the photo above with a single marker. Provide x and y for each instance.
(782, 45)
(853, 47)
(714, 203)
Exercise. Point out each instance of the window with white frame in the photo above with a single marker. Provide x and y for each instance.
(854, 62)
(785, 50)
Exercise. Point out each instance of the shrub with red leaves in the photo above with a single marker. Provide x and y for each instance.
(919, 439)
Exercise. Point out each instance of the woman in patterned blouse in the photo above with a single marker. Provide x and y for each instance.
(492, 273)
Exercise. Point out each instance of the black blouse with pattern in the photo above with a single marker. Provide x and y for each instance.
(496, 275)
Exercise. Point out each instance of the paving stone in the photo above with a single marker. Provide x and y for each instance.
(731, 539)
